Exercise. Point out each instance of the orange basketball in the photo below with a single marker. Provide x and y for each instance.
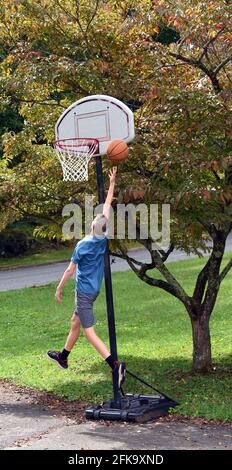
(117, 151)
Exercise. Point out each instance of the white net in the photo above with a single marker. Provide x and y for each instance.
(74, 156)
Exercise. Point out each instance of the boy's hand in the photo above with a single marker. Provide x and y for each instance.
(58, 295)
(112, 175)
(110, 194)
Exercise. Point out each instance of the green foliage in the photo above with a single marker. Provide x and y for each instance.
(56, 53)
(10, 120)
(13, 243)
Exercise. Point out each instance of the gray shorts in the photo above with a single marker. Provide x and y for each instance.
(84, 308)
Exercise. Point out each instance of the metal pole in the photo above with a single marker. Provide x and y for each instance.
(108, 288)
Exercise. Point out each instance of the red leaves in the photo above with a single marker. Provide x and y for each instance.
(31, 54)
(196, 229)
(226, 197)
(102, 65)
(153, 93)
(178, 22)
(53, 57)
(210, 195)
(219, 26)
(175, 21)
(170, 20)
(107, 7)
(130, 195)
(167, 167)
(214, 165)
(192, 229)
(137, 194)
(226, 95)
(228, 133)
(206, 194)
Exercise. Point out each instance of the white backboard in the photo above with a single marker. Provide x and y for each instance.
(98, 116)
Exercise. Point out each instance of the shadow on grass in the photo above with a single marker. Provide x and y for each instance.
(172, 376)
(207, 395)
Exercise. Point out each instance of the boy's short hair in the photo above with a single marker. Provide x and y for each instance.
(99, 225)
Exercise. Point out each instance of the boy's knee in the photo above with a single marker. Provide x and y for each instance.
(87, 332)
(75, 322)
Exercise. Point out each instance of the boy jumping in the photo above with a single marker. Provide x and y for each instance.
(88, 261)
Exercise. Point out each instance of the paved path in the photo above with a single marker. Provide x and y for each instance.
(24, 424)
(42, 275)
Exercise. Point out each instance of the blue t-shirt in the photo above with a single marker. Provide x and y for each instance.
(89, 255)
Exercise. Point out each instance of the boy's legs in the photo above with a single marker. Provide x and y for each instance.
(96, 342)
(85, 317)
(84, 311)
(61, 357)
(74, 333)
(118, 368)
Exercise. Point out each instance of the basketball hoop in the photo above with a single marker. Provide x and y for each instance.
(74, 155)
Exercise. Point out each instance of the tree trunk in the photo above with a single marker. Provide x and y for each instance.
(202, 360)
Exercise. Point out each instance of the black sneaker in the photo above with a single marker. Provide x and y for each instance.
(55, 356)
(120, 372)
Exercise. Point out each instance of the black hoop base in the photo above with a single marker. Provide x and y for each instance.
(134, 408)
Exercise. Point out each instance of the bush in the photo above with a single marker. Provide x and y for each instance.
(13, 243)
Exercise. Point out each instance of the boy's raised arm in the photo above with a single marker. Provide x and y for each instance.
(110, 194)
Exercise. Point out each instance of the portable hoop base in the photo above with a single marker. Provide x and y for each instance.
(134, 408)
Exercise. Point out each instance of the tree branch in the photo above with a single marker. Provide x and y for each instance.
(126, 257)
(44, 103)
(160, 284)
(141, 274)
(222, 64)
(171, 287)
(201, 283)
(211, 41)
(92, 17)
(187, 60)
(56, 24)
(225, 271)
(210, 228)
(67, 12)
(181, 43)
(84, 32)
(179, 291)
(196, 63)
(219, 241)
(216, 175)
(165, 254)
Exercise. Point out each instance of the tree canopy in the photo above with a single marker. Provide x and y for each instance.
(57, 52)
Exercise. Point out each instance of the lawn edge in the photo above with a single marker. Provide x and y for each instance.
(64, 407)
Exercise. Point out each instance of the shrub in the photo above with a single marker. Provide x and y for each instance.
(13, 243)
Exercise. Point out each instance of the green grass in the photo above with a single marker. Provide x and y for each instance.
(154, 337)
(47, 256)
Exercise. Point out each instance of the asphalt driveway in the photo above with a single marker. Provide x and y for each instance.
(36, 421)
